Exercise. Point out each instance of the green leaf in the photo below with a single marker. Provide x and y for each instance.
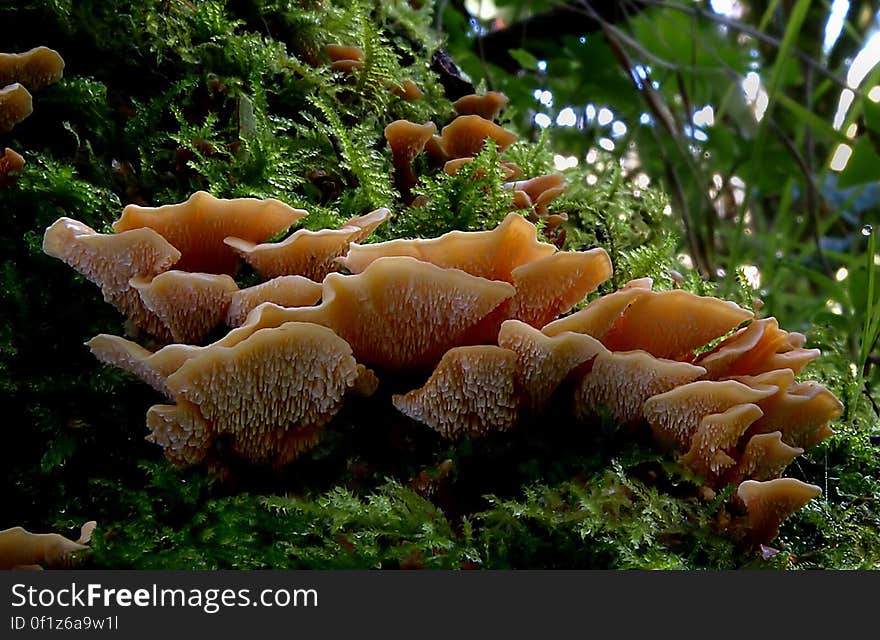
(525, 59)
(863, 165)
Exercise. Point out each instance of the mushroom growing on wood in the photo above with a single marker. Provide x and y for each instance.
(311, 254)
(471, 392)
(769, 503)
(189, 304)
(35, 69)
(11, 166)
(487, 106)
(111, 261)
(285, 291)
(16, 104)
(198, 227)
(21, 549)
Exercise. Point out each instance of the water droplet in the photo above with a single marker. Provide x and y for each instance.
(867, 230)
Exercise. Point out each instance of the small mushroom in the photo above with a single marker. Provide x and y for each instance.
(770, 503)
(407, 90)
(11, 166)
(716, 439)
(407, 140)
(344, 57)
(487, 106)
(21, 549)
(467, 135)
(764, 457)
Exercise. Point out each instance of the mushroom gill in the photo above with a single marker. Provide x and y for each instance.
(399, 313)
(21, 549)
(189, 304)
(111, 261)
(311, 254)
(181, 431)
(621, 382)
(716, 439)
(269, 392)
(16, 104)
(544, 362)
(801, 412)
(285, 291)
(764, 457)
(675, 415)
(771, 502)
(472, 391)
(35, 69)
(151, 367)
(198, 227)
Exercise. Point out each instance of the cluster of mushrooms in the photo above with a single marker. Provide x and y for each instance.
(21, 73)
(484, 316)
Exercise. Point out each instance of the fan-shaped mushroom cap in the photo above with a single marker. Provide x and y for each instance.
(35, 69)
(801, 412)
(488, 254)
(11, 165)
(275, 382)
(487, 106)
(676, 414)
(769, 503)
(198, 227)
(16, 104)
(544, 362)
(466, 136)
(554, 284)
(152, 368)
(181, 431)
(21, 549)
(534, 187)
(765, 456)
(285, 291)
(111, 261)
(189, 304)
(345, 57)
(597, 318)
(761, 346)
(716, 438)
(367, 223)
(671, 324)
(472, 391)
(398, 314)
(407, 139)
(622, 382)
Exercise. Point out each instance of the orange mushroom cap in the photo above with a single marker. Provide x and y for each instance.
(622, 382)
(407, 90)
(16, 104)
(406, 140)
(771, 502)
(181, 431)
(716, 438)
(198, 227)
(467, 135)
(544, 362)
(597, 318)
(111, 261)
(285, 291)
(764, 457)
(338, 52)
(398, 314)
(487, 106)
(189, 304)
(471, 392)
